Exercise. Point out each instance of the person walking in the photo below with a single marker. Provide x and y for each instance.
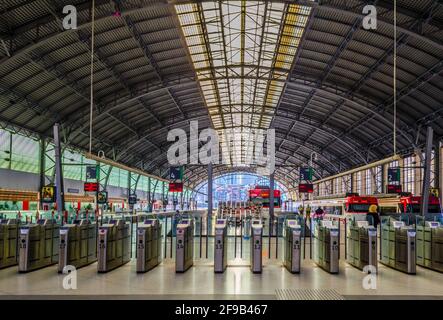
(319, 213)
(373, 212)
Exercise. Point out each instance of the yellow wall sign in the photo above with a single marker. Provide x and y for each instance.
(48, 194)
(434, 192)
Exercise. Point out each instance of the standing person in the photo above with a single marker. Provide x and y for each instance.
(374, 214)
(319, 213)
(301, 210)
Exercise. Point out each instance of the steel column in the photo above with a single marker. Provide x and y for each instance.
(427, 172)
(60, 200)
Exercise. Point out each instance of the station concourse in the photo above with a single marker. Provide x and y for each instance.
(223, 150)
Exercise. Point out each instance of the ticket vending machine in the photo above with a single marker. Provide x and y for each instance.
(399, 246)
(256, 246)
(220, 246)
(430, 245)
(38, 245)
(113, 245)
(78, 244)
(8, 242)
(362, 245)
(292, 252)
(184, 255)
(327, 246)
(149, 237)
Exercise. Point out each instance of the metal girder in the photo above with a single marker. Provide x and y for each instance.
(405, 91)
(104, 172)
(401, 41)
(47, 163)
(199, 173)
(136, 7)
(133, 179)
(137, 95)
(341, 93)
(330, 65)
(131, 26)
(19, 97)
(99, 57)
(46, 66)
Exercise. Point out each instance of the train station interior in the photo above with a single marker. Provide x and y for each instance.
(222, 150)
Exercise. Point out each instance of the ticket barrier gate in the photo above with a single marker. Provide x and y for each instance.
(292, 255)
(221, 246)
(326, 238)
(256, 246)
(361, 241)
(430, 245)
(114, 241)
(398, 246)
(78, 244)
(149, 238)
(38, 245)
(184, 255)
(8, 242)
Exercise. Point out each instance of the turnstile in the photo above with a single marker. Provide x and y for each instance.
(184, 254)
(361, 241)
(78, 244)
(220, 246)
(149, 238)
(38, 245)
(430, 245)
(114, 241)
(326, 238)
(8, 242)
(256, 246)
(398, 246)
(292, 252)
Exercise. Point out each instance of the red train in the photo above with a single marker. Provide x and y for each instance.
(260, 195)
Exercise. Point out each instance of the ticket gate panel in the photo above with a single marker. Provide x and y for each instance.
(292, 256)
(38, 245)
(9, 235)
(74, 245)
(362, 245)
(256, 247)
(184, 256)
(148, 245)
(400, 242)
(220, 246)
(327, 246)
(113, 245)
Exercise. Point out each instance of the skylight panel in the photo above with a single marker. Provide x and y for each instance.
(252, 46)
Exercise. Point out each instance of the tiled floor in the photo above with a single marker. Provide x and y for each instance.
(200, 282)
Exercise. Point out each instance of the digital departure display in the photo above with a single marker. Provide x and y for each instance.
(393, 188)
(90, 186)
(306, 188)
(175, 187)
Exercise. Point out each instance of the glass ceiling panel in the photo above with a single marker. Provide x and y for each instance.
(242, 52)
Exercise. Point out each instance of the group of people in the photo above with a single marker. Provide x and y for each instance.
(319, 213)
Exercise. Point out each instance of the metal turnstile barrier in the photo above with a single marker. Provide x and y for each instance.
(78, 244)
(292, 254)
(430, 245)
(256, 246)
(113, 245)
(220, 246)
(184, 255)
(326, 246)
(361, 241)
(149, 238)
(398, 245)
(38, 245)
(8, 242)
